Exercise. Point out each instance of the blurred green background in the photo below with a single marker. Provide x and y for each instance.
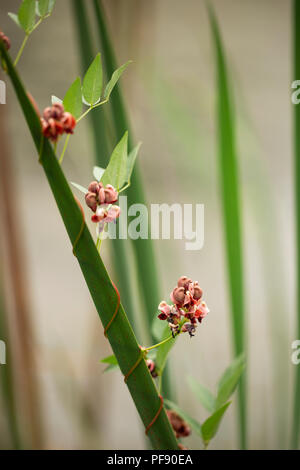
(170, 94)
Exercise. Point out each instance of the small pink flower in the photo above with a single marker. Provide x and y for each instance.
(202, 311)
(69, 122)
(5, 40)
(165, 310)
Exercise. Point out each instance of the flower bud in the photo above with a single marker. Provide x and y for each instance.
(94, 187)
(111, 195)
(178, 295)
(68, 122)
(151, 367)
(197, 292)
(180, 427)
(183, 281)
(91, 201)
(5, 40)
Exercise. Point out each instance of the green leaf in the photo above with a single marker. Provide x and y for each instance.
(204, 395)
(230, 379)
(210, 426)
(42, 7)
(92, 82)
(55, 99)
(26, 15)
(116, 170)
(15, 18)
(98, 172)
(81, 188)
(114, 79)
(131, 161)
(191, 421)
(163, 350)
(51, 6)
(110, 360)
(72, 101)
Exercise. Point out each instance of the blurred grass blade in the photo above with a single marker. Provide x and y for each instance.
(231, 209)
(296, 131)
(143, 248)
(103, 148)
(120, 334)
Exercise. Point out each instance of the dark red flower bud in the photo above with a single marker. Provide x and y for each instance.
(162, 316)
(180, 427)
(197, 292)
(94, 187)
(91, 201)
(183, 281)
(111, 195)
(151, 367)
(68, 122)
(178, 295)
(5, 40)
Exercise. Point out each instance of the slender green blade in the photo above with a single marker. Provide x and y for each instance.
(211, 425)
(116, 170)
(120, 333)
(228, 170)
(296, 124)
(230, 380)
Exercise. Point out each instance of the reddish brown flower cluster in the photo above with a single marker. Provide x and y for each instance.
(5, 40)
(187, 304)
(180, 427)
(56, 121)
(100, 200)
(152, 368)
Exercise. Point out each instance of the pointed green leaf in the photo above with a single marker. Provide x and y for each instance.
(81, 188)
(26, 15)
(131, 161)
(92, 82)
(211, 425)
(114, 79)
(98, 172)
(110, 360)
(190, 421)
(15, 18)
(230, 379)
(42, 7)
(164, 349)
(72, 100)
(204, 395)
(51, 6)
(115, 172)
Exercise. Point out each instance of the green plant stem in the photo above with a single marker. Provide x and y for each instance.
(296, 133)
(64, 149)
(21, 50)
(159, 344)
(120, 333)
